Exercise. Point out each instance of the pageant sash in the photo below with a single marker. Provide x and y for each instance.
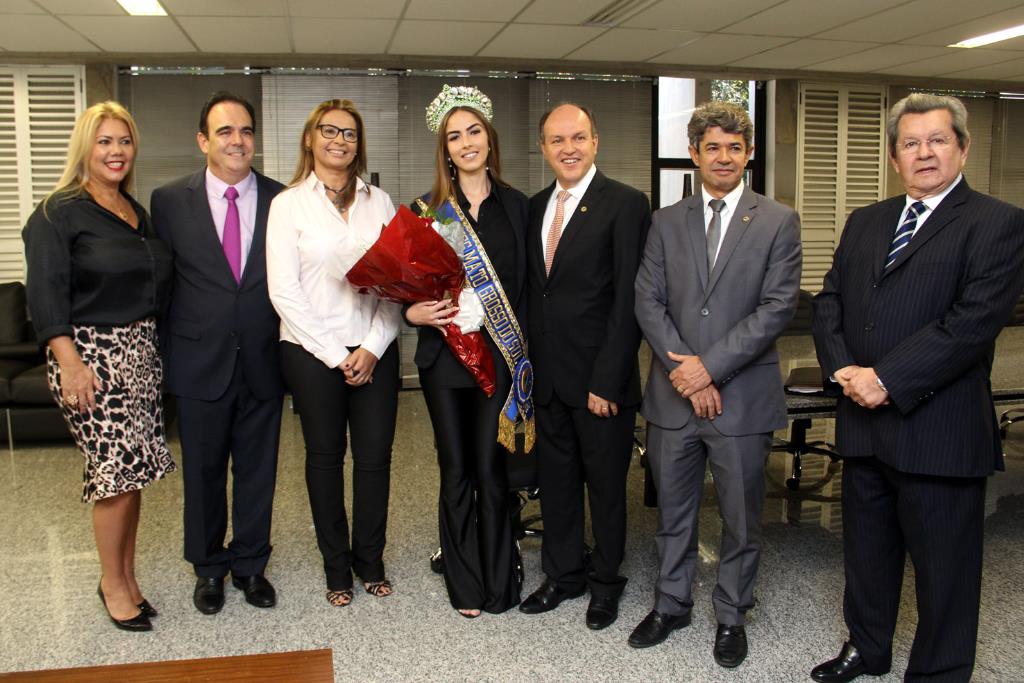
(501, 324)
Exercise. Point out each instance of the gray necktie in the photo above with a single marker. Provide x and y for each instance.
(714, 231)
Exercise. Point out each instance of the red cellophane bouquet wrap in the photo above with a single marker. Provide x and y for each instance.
(410, 262)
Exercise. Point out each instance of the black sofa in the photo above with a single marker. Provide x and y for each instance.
(28, 409)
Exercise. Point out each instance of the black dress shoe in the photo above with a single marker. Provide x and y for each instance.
(547, 598)
(140, 622)
(148, 609)
(846, 667)
(655, 628)
(602, 612)
(258, 591)
(208, 597)
(730, 645)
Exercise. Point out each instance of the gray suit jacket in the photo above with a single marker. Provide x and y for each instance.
(730, 317)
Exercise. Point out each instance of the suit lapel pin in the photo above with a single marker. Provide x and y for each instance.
(583, 209)
(746, 219)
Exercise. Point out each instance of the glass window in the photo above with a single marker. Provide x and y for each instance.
(675, 106)
(675, 184)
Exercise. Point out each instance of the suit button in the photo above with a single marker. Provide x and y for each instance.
(705, 312)
(874, 285)
(869, 327)
(232, 333)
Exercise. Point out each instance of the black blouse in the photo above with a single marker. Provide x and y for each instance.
(495, 231)
(86, 266)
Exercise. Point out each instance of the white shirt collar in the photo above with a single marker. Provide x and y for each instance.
(731, 199)
(580, 188)
(312, 182)
(215, 187)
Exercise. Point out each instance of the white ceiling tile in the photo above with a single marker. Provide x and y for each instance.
(806, 17)
(266, 35)
(464, 10)
(993, 71)
(801, 53)
(132, 34)
(953, 59)
(41, 33)
(696, 15)
(347, 9)
(102, 7)
(879, 57)
(572, 12)
(632, 44)
(462, 38)
(342, 36)
(720, 48)
(539, 42)
(20, 7)
(915, 18)
(225, 8)
(962, 30)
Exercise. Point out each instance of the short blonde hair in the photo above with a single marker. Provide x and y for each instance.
(83, 137)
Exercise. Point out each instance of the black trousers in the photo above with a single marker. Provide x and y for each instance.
(245, 430)
(939, 521)
(575, 447)
(327, 407)
(473, 508)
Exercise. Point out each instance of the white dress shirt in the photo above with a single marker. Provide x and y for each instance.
(575, 195)
(732, 200)
(931, 202)
(310, 248)
(246, 203)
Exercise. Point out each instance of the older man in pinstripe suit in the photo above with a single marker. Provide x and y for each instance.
(905, 326)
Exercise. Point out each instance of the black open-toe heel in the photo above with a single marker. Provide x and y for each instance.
(140, 622)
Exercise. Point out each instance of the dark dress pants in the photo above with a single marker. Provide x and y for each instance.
(245, 429)
(327, 406)
(940, 522)
(577, 448)
(473, 508)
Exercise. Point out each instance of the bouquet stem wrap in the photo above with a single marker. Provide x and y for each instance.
(410, 262)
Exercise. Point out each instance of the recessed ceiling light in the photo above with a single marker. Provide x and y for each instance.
(989, 38)
(143, 8)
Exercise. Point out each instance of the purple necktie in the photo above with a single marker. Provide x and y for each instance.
(233, 234)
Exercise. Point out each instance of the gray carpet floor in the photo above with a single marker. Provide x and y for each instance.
(50, 616)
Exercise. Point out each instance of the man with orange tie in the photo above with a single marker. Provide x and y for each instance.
(220, 345)
(583, 248)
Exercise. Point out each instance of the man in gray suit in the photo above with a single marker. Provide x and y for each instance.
(718, 283)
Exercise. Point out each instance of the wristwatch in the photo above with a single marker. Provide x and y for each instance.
(880, 385)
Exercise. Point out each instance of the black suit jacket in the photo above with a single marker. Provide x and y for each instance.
(927, 325)
(212, 321)
(582, 331)
(429, 341)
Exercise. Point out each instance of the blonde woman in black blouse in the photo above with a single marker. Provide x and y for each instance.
(97, 278)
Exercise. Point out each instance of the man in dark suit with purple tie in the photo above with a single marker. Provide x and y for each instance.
(220, 346)
(905, 328)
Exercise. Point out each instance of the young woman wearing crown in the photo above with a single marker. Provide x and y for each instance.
(474, 432)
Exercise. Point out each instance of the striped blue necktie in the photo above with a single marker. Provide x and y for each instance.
(905, 231)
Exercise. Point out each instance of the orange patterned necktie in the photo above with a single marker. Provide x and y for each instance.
(555, 231)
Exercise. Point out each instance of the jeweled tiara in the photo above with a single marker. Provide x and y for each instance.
(459, 96)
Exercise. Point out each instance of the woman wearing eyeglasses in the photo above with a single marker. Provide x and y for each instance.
(338, 350)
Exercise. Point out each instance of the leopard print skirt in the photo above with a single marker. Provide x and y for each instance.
(123, 439)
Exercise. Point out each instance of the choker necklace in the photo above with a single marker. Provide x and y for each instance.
(331, 189)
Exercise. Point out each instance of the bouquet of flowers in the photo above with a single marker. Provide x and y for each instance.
(414, 260)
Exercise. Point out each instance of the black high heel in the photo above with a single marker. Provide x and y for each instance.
(140, 622)
(147, 609)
